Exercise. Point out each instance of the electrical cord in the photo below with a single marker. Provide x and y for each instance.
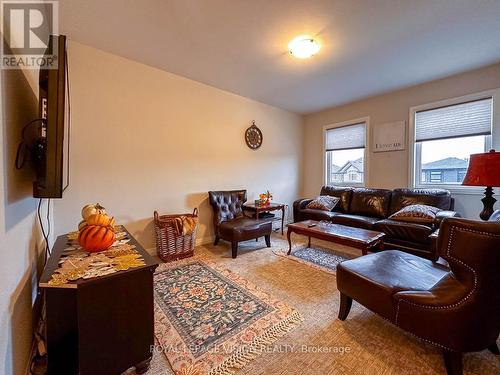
(22, 148)
(39, 215)
(45, 235)
(38, 339)
(69, 118)
(48, 224)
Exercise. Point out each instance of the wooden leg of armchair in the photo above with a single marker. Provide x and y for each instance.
(268, 240)
(452, 362)
(234, 249)
(143, 367)
(494, 348)
(216, 241)
(345, 306)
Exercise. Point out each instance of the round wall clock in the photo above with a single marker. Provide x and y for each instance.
(253, 137)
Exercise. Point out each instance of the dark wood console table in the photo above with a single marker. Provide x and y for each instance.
(99, 326)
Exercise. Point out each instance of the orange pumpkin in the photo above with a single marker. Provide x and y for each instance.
(95, 238)
(101, 219)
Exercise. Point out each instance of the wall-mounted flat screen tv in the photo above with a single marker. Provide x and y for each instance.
(50, 160)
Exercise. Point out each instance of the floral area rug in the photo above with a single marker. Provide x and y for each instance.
(317, 257)
(209, 320)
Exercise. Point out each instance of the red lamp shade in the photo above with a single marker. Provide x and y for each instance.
(484, 170)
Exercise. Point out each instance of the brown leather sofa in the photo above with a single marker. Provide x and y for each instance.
(231, 224)
(370, 209)
(455, 307)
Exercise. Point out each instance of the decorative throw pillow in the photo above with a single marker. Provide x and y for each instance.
(416, 213)
(324, 202)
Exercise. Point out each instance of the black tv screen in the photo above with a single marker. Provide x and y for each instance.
(49, 160)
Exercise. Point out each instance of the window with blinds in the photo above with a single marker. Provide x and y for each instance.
(346, 137)
(345, 154)
(445, 137)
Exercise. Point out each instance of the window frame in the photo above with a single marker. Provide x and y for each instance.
(366, 121)
(414, 152)
(439, 175)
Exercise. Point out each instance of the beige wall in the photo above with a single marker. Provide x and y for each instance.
(390, 169)
(144, 139)
(20, 244)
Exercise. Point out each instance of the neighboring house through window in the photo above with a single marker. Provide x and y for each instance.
(345, 153)
(449, 170)
(445, 135)
(435, 176)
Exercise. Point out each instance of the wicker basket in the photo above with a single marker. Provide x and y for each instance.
(169, 244)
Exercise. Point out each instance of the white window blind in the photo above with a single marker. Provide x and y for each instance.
(460, 120)
(346, 137)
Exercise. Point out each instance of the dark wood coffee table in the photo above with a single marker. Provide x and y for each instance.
(355, 237)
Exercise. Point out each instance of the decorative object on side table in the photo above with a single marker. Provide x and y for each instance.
(265, 198)
(98, 249)
(96, 230)
(253, 137)
(91, 209)
(484, 170)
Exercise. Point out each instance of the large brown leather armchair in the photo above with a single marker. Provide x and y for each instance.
(455, 307)
(231, 224)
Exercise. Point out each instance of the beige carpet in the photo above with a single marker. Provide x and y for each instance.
(363, 344)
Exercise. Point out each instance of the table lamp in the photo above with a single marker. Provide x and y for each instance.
(484, 170)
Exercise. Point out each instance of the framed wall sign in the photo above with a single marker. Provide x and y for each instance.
(390, 136)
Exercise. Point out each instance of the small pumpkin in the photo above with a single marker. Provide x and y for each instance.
(95, 238)
(101, 219)
(82, 224)
(91, 209)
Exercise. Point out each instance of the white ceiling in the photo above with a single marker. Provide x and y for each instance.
(369, 46)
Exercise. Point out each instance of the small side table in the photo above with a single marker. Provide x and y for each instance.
(268, 208)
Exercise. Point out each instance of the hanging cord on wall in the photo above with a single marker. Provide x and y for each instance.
(49, 226)
(37, 360)
(23, 149)
(69, 118)
(44, 234)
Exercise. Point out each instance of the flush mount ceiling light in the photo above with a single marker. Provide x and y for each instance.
(303, 47)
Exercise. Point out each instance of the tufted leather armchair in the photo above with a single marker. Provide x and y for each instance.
(231, 224)
(455, 307)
